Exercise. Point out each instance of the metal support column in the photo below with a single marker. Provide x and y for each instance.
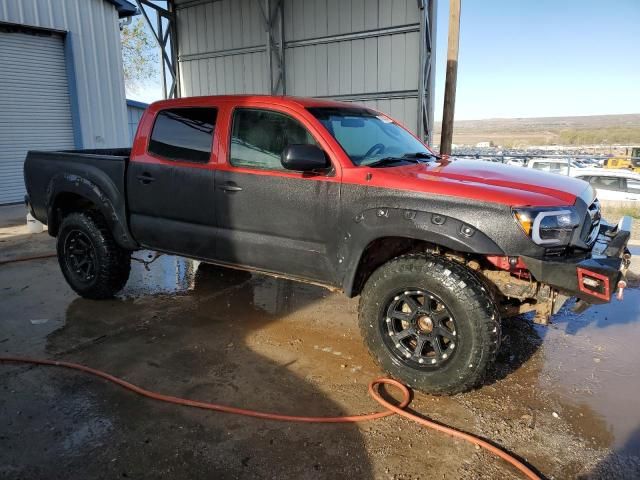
(164, 31)
(426, 71)
(273, 17)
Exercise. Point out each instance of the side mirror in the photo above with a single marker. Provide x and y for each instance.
(304, 158)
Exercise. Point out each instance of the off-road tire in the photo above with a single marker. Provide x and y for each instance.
(112, 263)
(463, 294)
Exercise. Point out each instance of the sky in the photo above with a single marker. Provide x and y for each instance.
(539, 58)
(535, 58)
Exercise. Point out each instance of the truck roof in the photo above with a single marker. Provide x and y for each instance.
(272, 99)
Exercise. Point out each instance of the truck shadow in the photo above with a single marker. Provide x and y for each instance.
(520, 341)
(204, 344)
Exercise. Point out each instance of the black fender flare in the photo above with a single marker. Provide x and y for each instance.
(114, 212)
(377, 223)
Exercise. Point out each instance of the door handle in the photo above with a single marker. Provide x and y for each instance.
(145, 178)
(231, 187)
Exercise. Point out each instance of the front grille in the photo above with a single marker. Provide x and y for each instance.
(591, 225)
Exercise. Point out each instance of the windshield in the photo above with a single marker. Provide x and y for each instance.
(367, 136)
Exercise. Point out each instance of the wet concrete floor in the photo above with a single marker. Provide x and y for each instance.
(562, 397)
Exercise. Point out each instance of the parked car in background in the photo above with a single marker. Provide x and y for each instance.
(518, 162)
(554, 165)
(621, 185)
(593, 162)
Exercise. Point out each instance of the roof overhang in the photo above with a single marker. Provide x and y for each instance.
(124, 8)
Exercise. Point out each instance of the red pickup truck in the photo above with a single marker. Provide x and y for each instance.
(438, 249)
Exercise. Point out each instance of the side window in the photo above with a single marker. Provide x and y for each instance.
(258, 138)
(606, 183)
(541, 166)
(183, 134)
(633, 186)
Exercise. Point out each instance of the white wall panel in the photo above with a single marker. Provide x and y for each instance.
(354, 50)
(306, 19)
(221, 48)
(379, 64)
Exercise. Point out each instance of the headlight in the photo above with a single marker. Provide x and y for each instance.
(548, 227)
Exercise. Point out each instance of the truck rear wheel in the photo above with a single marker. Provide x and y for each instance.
(92, 263)
(429, 322)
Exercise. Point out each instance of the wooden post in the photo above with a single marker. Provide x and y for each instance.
(446, 135)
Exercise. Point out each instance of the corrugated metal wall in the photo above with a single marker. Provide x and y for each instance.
(353, 50)
(375, 62)
(134, 114)
(221, 47)
(97, 61)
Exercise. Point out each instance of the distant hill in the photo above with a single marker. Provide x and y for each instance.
(515, 132)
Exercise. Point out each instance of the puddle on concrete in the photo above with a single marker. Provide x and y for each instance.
(590, 361)
(166, 275)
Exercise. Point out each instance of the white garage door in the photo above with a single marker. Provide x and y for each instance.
(35, 112)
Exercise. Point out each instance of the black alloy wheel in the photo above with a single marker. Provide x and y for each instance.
(90, 259)
(419, 329)
(430, 322)
(80, 256)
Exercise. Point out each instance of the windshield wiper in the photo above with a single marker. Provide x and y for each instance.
(422, 155)
(391, 160)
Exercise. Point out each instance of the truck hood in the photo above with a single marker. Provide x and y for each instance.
(485, 181)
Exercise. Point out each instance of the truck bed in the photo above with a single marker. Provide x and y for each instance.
(98, 172)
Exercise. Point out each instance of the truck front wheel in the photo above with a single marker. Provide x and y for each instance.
(92, 263)
(429, 322)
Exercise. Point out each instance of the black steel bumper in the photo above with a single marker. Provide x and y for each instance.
(595, 276)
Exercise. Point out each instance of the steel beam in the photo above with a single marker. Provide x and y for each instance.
(380, 32)
(426, 71)
(161, 19)
(273, 18)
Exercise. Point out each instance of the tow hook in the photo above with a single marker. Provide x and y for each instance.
(621, 286)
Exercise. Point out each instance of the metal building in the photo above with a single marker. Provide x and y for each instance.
(135, 110)
(61, 80)
(376, 52)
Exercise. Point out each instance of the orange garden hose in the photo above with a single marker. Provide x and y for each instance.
(373, 391)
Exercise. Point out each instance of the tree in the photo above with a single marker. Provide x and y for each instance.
(139, 55)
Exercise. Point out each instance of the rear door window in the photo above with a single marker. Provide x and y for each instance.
(258, 138)
(606, 183)
(183, 134)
